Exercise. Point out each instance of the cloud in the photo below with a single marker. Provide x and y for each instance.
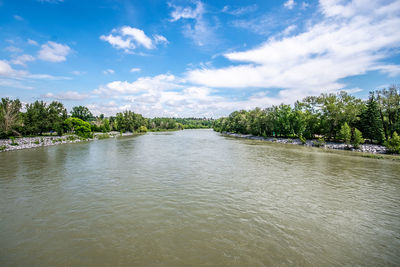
(159, 39)
(155, 84)
(32, 42)
(8, 72)
(16, 17)
(13, 49)
(14, 84)
(341, 45)
(240, 11)
(135, 70)
(21, 60)
(128, 38)
(289, 4)
(77, 72)
(199, 31)
(67, 96)
(54, 52)
(108, 71)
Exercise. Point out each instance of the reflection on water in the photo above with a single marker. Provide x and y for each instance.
(196, 198)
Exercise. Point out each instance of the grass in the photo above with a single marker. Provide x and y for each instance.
(103, 136)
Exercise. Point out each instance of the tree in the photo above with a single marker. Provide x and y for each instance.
(78, 126)
(389, 109)
(357, 138)
(57, 114)
(36, 119)
(345, 133)
(9, 116)
(393, 144)
(370, 120)
(82, 113)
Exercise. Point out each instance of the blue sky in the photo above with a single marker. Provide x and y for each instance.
(195, 58)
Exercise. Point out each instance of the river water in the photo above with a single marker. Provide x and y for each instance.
(195, 197)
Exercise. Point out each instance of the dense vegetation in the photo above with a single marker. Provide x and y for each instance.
(328, 116)
(40, 117)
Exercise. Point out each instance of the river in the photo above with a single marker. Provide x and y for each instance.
(194, 197)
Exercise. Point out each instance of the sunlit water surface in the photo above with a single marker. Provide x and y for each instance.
(195, 197)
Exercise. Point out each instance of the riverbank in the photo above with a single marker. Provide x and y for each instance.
(365, 148)
(40, 141)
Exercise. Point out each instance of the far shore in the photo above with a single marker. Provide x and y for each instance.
(42, 141)
(364, 148)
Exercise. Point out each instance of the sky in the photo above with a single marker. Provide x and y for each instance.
(195, 58)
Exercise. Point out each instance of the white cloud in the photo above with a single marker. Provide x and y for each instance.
(13, 49)
(289, 4)
(32, 42)
(54, 52)
(240, 11)
(128, 38)
(316, 60)
(138, 36)
(70, 95)
(289, 30)
(200, 31)
(14, 84)
(8, 72)
(108, 71)
(21, 60)
(135, 70)
(77, 72)
(154, 84)
(159, 39)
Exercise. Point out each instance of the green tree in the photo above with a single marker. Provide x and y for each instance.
(357, 138)
(36, 119)
(9, 116)
(370, 121)
(57, 114)
(345, 133)
(82, 113)
(393, 144)
(78, 126)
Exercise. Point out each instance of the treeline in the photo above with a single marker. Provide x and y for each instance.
(39, 118)
(328, 116)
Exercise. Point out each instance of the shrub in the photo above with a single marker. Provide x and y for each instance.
(79, 127)
(142, 129)
(393, 144)
(37, 142)
(13, 143)
(345, 133)
(320, 142)
(3, 148)
(303, 140)
(103, 136)
(357, 138)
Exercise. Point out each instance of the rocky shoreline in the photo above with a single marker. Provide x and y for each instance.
(41, 141)
(366, 148)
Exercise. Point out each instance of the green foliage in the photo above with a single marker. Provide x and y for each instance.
(129, 121)
(303, 140)
(36, 142)
(357, 138)
(393, 144)
(82, 113)
(9, 116)
(103, 136)
(3, 147)
(142, 129)
(319, 143)
(345, 133)
(371, 122)
(13, 143)
(79, 127)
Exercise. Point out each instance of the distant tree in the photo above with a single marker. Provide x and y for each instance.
(393, 144)
(78, 126)
(389, 109)
(9, 116)
(82, 113)
(57, 114)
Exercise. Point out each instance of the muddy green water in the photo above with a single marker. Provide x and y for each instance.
(192, 198)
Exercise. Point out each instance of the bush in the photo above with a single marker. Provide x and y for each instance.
(79, 127)
(320, 142)
(103, 136)
(303, 140)
(393, 144)
(37, 142)
(357, 139)
(13, 143)
(142, 129)
(345, 133)
(2, 148)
